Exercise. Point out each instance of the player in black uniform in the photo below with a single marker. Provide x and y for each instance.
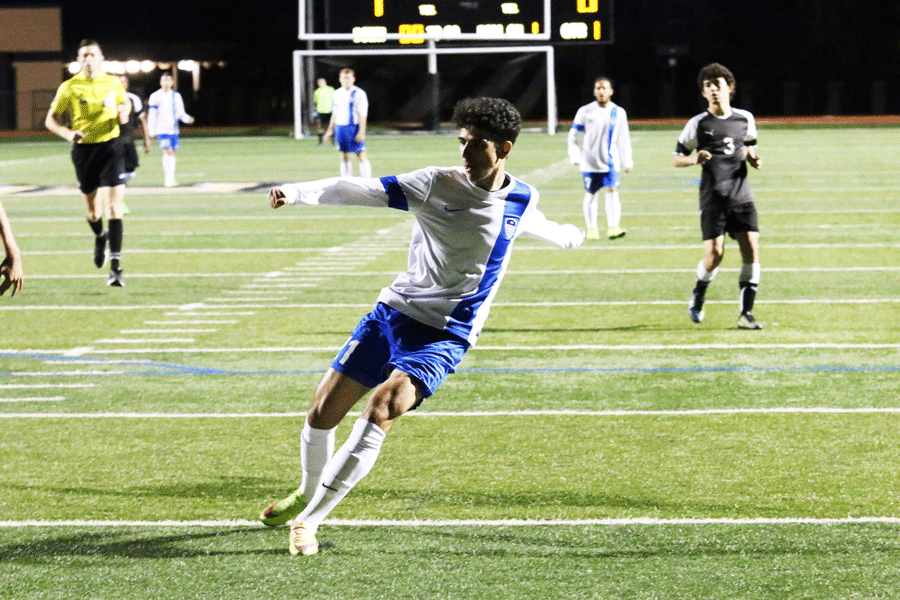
(137, 120)
(725, 140)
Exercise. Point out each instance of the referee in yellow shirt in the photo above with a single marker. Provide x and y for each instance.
(97, 104)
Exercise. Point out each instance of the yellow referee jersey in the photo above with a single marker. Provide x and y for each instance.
(92, 105)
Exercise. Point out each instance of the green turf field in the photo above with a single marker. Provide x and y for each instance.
(596, 444)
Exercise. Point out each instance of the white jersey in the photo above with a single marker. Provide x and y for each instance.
(461, 239)
(607, 142)
(350, 106)
(166, 110)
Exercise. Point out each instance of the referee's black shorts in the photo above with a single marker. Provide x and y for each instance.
(719, 219)
(99, 165)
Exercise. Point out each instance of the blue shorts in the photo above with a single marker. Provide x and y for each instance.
(386, 339)
(594, 182)
(345, 137)
(168, 140)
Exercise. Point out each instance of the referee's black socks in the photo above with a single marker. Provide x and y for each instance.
(96, 226)
(115, 242)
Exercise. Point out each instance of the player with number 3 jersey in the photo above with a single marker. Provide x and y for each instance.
(725, 141)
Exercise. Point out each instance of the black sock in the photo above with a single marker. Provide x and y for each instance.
(115, 242)
(700, 291)
(748, 296)
(96, 226)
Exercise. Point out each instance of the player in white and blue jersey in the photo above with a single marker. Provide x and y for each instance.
(349, 118)
(605, 149)
(166, 110)
(467, 219)
(725, 141)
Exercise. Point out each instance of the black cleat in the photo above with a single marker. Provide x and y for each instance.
(100, 249)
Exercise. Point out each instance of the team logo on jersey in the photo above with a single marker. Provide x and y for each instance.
(509, 226)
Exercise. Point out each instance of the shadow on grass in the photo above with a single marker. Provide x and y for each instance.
(120, 542)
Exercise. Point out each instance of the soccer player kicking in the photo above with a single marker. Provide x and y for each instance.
(606, 146)
(424, 322)
(725, 140)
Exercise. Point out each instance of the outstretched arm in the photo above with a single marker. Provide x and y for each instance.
(537, 226)
(336, 191)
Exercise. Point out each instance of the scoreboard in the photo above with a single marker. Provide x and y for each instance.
(413, 22)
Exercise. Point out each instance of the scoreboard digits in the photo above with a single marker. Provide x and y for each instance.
(377, 21)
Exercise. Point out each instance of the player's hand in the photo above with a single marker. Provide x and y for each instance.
(11, 276)
(76, 136)
(360, 137)
(755, 161)
(277, 198)
(703, 157)
(146, 146)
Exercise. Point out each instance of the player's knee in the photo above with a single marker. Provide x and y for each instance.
(390, 400)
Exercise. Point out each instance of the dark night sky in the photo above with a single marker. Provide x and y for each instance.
(854, 41)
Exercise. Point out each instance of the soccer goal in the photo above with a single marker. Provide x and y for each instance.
(431, 53)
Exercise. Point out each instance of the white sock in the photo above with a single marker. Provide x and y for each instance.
(168, 161)
(316, 449)
(350, 463)
(346, 168)
(613, 209)
(365, 169)
(589, 206)
(704, 275)
(750, 273)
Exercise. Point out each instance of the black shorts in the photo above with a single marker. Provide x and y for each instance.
(324, 119)
(717, 220)
(131, 155)
(99, 165)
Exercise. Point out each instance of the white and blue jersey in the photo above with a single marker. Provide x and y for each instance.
(350, 106)
(461, 239)
(607, 141)
(166, 109)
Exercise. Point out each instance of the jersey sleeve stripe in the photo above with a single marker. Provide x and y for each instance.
(396, 197)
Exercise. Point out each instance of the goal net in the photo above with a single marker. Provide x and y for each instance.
(421, 84)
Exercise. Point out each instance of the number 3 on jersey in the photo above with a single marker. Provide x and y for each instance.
(729, 146)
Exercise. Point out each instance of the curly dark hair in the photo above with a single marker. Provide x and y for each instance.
(497, 117)
(712, 72)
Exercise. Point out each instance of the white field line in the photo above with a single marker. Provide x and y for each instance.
(405, 248)
(34, 386)
(852, 269)
(342, 216)
(473, 414)
(167, 330)
(193, 322)
(158, 276)
(145, 341)
(33, 399)
(209, 314)
(336, 305)
(608, 522)
(538, 347)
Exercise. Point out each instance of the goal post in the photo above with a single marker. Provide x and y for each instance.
(431, 53)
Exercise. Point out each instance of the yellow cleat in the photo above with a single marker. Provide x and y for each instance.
(615, 233)
(303, 540)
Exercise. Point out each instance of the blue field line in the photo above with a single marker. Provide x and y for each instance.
(159, 368)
